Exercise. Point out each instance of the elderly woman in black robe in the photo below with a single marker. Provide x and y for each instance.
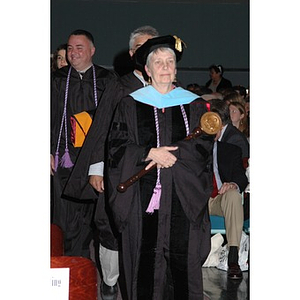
(163, 217)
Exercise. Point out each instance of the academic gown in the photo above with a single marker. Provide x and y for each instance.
(174, 241)
(73, 216)
(93, 151)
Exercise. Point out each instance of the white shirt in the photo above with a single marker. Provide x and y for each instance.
(81, 72)
(140, 78)
(215, 161)
(222, 132)
(215, 166)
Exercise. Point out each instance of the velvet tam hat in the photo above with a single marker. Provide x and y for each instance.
(167, 41)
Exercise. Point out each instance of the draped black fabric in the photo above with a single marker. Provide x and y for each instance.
(71, 214)
(80, 98)
(169, 246)
(93, 151)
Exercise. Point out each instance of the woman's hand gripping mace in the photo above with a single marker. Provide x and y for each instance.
(210, 123)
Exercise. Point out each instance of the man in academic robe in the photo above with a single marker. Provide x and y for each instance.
(87, 178)
(76, 89)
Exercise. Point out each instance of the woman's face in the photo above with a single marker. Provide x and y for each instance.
(162, 67)
(235, 115)
(214, 75)
(61, 59)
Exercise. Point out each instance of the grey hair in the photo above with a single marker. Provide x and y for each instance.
(144, 30)
(163, 49)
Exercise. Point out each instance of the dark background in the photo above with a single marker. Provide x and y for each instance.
(215, 31)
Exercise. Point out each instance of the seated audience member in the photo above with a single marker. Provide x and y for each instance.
(241, 90)
(194, 88)
(247, 105)
(238, 117)
(247, 109)
(217, 81)
(203, 91)
(229, 133)
(197, 89)
(211, 96)
(226, 200)
(233, 96)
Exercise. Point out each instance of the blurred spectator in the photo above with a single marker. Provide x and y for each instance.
(238, 117)
(247, 104)
(194, 88)
(59, 58)
(230, 134)
(197, 89)
(217, 81)
(241, 90)
(233, 96)
(203, 91)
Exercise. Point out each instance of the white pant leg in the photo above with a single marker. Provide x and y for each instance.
(109, 260)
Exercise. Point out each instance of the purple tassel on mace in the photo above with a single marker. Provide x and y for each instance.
(66, 160)
(155, 199)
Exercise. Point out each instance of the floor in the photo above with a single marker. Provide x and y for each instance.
(216, 285)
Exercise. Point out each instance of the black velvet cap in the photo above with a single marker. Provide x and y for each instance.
(167, 41)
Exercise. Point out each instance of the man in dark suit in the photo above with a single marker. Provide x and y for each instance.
(230, 134)
(226, 200)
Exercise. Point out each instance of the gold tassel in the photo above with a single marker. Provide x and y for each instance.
(178, 43)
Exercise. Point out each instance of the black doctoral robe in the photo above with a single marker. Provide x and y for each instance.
(73, 216)
(93, 151)
(175, 239)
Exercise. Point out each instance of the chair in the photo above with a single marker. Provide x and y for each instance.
(218, 225)
(83, 276)
(57, 241)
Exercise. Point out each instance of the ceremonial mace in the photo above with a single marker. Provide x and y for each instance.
(210, 123)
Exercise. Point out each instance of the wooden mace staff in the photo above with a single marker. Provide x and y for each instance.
(210, 123)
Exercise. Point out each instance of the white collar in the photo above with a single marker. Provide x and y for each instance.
(83, 71)
(222, 132)
(140, 78)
